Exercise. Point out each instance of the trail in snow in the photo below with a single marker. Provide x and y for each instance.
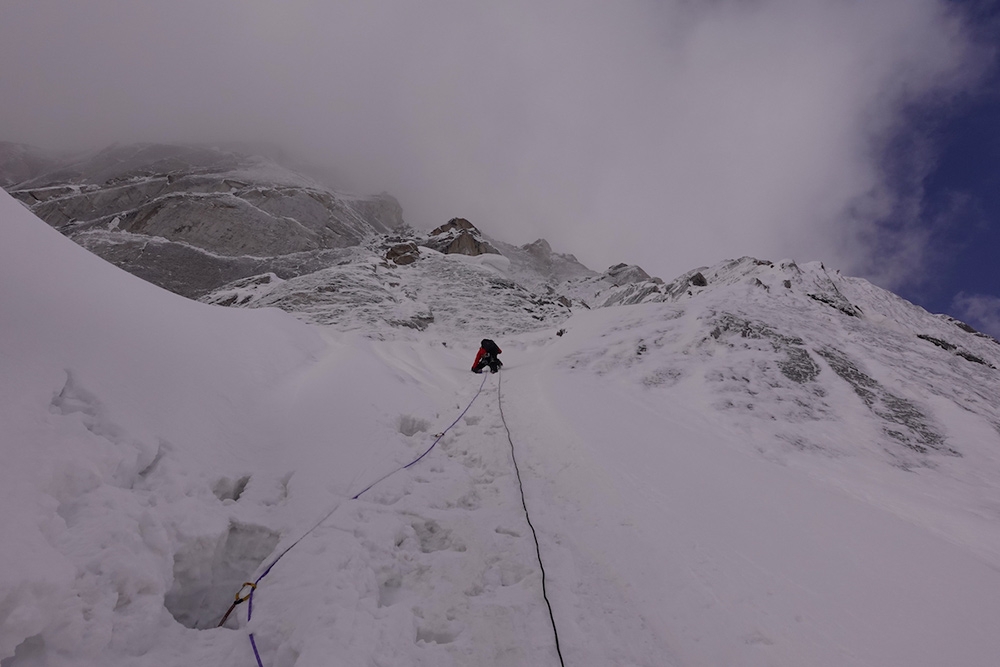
(432, 566)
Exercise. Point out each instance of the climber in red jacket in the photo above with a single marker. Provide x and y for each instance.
(487, 357)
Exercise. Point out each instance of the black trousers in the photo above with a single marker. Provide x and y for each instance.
(489, 360)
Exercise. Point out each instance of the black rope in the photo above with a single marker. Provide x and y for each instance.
(538, 550)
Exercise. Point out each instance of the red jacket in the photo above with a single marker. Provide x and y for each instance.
(482, 353)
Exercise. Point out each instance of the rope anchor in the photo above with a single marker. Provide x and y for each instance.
(239, 600)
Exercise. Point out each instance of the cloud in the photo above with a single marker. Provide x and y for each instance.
(670, 134)
(982, 311)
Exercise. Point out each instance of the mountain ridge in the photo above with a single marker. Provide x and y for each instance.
(215, 214)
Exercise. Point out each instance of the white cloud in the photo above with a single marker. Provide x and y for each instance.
(982, 311)
(670, 134)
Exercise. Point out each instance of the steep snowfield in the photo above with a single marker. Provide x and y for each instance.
(735, 546)
(742, 475)
(129, 416)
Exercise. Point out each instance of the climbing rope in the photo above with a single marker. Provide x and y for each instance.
(527, 516)
(253, 585)
(433, 444)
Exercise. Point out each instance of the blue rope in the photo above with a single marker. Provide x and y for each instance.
(253, 642)
(414, 461)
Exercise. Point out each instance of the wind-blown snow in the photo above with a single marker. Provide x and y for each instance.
(715, 479)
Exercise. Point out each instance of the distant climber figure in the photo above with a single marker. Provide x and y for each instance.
(487, 356)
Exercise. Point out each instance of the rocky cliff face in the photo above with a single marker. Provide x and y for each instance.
(243, 230)
(397, 284)
(541, 269)
(459, 236)
(192, 218)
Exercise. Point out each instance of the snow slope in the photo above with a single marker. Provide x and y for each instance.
(129, 416)
(737, 551)
(741, 474)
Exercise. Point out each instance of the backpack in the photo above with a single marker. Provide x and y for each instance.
(490, 347)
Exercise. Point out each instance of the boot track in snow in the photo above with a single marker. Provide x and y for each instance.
(431, 526)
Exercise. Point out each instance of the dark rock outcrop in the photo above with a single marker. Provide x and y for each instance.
(624, 274)
(403, 253)
(949, 347)
(540, 249)
(459, 236)
(904, 422)
(455, 225)
(797, 365)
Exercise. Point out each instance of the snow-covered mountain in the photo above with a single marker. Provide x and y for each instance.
(192, 218)
(232, 227)
(757, 463)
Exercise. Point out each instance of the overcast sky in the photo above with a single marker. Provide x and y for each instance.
(667, 133)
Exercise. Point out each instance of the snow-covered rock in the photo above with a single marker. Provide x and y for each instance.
(176, 213)
(450, 294)
(458, 236)
(540, 269)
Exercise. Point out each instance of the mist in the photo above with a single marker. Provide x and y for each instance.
(669, 134)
